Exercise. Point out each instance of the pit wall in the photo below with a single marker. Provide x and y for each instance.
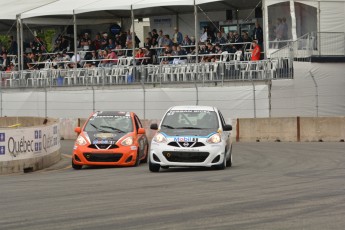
(28, 144)
(289, 129)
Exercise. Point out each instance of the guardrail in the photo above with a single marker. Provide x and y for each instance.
(312, 44)
(151, 74)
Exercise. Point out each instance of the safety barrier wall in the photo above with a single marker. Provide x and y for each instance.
(290, 129)
(285, 129)
(28, 144)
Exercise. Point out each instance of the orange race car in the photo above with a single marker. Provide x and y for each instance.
(110, 138)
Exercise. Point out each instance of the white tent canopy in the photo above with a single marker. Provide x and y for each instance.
(10, 9)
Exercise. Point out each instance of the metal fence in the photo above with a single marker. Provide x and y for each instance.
(312, 44)
(151, 74)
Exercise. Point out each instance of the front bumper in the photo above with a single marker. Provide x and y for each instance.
(206, 156)
(124, 156)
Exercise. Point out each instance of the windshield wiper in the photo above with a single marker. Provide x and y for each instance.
(112, 128)
(98, 129)
(188, 127)
(168, 126)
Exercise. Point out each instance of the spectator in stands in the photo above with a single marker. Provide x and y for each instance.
(219, 38)
(111, 44)
(13, 46)
(246, 37)
(5, 63)
(137, 41)
(148, 54)
(167, 41)
(148, 42)
(75, 60)
(186, 41)
(123, 38)
(104, 40)
(30, 61)
(3, 50)
(129, 42)
(167, 53)
(85, 42)
(139, 56)
(204, 36)
(238, 39)
(160, 38)
(37, 45)
(231, 37)
(183, 53)
(91, 60)
(192, 41)
(96, 43)
(58, 61)
(258, 34)
(154, 34)
(119, 51)
(177, 37)
(256, 52)
(64, 44)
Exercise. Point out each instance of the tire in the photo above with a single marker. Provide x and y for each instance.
(137, 160)
(229, 162)
(154, 167)
(76, 167)
(144, 160)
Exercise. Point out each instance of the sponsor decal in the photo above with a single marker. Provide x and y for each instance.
(105, 135)
(185, 139)
(134, 148)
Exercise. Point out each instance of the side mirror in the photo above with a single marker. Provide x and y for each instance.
(227, 128)
(77, 130)
(154, 126)
(141, 131)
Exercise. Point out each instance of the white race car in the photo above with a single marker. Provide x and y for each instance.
(191, 136)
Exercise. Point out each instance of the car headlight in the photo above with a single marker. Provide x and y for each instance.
(128, 141)
(81, 140)
(159, 138)
(214, 139)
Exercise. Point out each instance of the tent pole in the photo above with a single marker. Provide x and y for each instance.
(75, 39)
(196, 33)
(18, 43)
(21, 44)
(133, 45)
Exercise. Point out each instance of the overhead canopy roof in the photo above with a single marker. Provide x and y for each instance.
(10, 9)
(142, 8)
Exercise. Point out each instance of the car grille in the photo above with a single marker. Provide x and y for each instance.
(174, 156)
(186, 144)
(103, 146)
(103, 157)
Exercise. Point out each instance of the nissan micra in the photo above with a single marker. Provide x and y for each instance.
(110, 138)
(191, 136)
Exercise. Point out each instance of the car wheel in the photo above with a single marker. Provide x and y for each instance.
(154, 167)
(76, 167)
(222, 165)
(137, 160)
(229, 162)
(144, 160)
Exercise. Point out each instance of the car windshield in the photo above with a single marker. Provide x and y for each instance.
(109, 124)
(190, 119)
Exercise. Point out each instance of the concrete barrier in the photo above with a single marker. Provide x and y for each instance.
(290, 129)
(28, 143)
(285, 129)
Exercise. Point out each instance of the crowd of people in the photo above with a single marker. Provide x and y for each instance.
(158, 47)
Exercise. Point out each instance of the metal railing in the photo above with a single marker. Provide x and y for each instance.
(312, 44)
(151, 74)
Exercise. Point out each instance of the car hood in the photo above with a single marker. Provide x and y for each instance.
(106, 138)
(188, 132)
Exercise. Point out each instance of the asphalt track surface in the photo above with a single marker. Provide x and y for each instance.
(270, 186)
